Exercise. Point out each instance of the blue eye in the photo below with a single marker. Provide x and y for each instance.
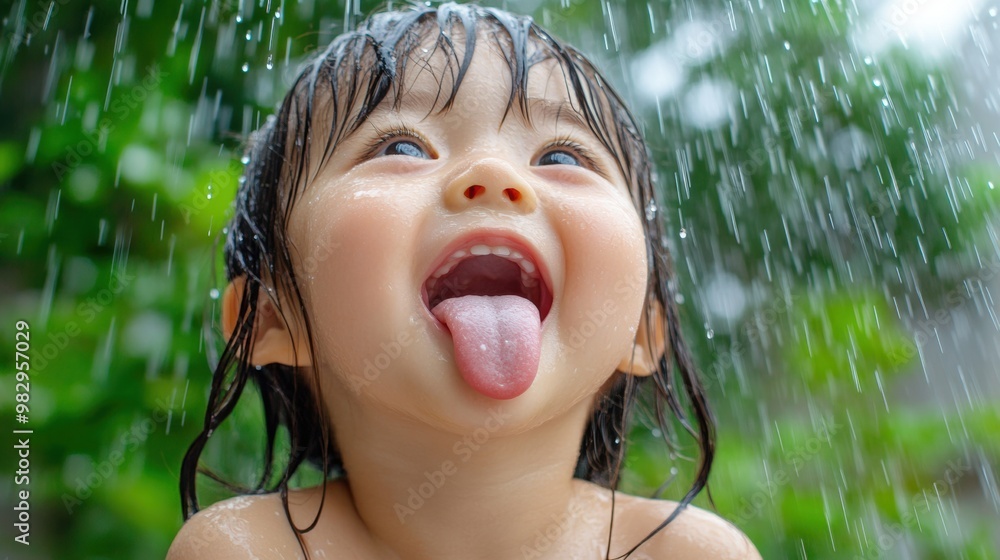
(406, 148)
(558, 157)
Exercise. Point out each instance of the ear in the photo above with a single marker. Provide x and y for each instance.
(650, 344)
(276, 342)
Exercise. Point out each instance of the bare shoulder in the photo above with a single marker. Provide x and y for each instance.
(695, 534)
(253, 527)
(240, 527)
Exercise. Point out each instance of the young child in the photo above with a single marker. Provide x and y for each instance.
(449, 283)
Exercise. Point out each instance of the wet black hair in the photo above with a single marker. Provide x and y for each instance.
(332, 97)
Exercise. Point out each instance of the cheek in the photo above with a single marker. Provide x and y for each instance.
(605, 280)
(360, 284)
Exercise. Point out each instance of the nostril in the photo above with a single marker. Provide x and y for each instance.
(513, 194)
(474, 191)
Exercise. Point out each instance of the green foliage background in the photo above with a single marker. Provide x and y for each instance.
(119, 146)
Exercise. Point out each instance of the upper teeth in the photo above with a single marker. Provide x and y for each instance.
(528, 274)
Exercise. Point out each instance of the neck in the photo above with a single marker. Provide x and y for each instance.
(426, 493)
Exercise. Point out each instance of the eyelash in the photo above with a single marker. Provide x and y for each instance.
(400, 132)
(588, 158)
(586, 155)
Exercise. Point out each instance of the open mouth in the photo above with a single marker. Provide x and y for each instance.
(489, 269)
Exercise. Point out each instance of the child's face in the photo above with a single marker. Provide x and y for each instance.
(390, 207)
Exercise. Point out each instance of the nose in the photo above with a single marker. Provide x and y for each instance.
(493, 183)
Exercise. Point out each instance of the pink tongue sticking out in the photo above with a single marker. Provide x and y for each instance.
(497, 342)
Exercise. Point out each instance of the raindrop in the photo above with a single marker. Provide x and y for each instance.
(246, 67)
(788, 46)
(684, 233)
(990, 183)
(993, 12)
(213, 293)
(277, 14)
(239, 18)
(710, 334)
(270, 61)
(877, 82)
(245, 160)
(249, 35)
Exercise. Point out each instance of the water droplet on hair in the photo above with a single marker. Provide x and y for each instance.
(618, 441)
(213, 293)
(656, 432)
(244, 160)
(679, 299)
(683, 233)
(650, 210)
